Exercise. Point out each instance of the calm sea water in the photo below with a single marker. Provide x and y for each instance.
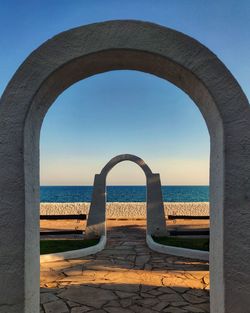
(124, 193)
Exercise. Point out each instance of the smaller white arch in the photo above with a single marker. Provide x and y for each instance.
(126, 157)
(156, 223)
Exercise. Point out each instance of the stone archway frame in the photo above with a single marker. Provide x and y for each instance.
(156, 223)
(132, 45)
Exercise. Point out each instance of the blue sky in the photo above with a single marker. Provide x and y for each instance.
(125, 111)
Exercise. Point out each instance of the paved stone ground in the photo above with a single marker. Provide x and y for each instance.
(125, 277)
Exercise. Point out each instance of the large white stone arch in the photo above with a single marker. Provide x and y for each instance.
(156, 223)
(79, 53)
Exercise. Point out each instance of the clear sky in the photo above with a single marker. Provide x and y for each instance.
(125, 111)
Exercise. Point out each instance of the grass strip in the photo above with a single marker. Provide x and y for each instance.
(54, 246)
(189, 243)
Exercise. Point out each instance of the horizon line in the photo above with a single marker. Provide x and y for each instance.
(144, 185)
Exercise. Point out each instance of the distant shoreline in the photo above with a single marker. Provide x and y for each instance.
(123, 185)
(126, 210)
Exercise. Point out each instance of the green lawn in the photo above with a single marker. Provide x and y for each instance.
(54, 246)
(190, 243)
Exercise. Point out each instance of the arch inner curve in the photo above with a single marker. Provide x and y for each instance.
(126, 157)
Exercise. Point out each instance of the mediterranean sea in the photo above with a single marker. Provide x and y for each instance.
(123, 193)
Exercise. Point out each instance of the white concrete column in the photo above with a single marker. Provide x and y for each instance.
(156, 224)
(96, 223)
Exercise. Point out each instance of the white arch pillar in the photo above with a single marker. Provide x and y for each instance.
(156, 221)
(96, 222)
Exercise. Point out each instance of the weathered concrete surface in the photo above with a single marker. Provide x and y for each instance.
(156, 224)
(115, 45)
(126, 277)
(127, 210)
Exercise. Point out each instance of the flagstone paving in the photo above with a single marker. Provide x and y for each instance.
(125, 277)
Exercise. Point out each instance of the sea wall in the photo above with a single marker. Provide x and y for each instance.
(129, 210)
